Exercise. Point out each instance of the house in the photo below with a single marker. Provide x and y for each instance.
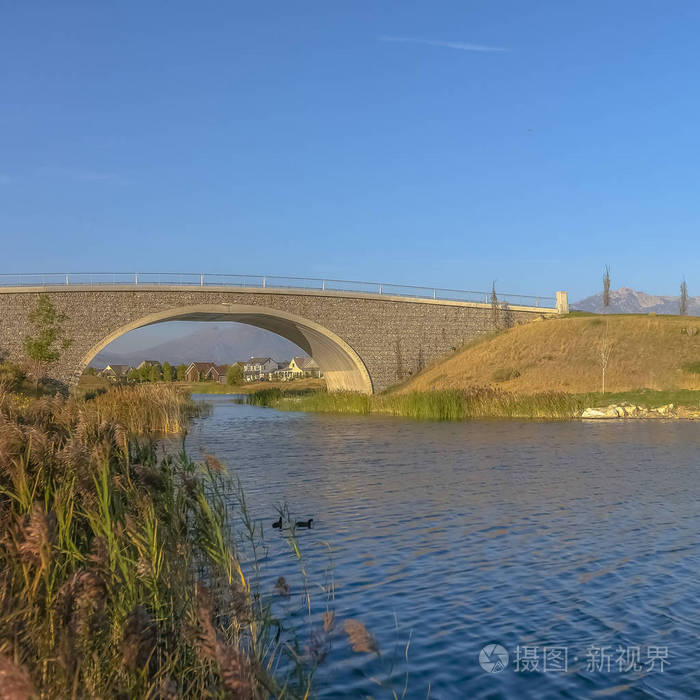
(217, 373)
(299, 367)
(258, 368)
(116, 373)
(304, 367)
(197, 371)
(282, 371)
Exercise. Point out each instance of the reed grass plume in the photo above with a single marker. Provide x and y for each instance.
(121, 571)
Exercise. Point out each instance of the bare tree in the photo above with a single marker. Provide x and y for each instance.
(606, 286)
(683, 302)
(604, 351)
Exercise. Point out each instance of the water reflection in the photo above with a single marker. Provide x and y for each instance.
(523, 533)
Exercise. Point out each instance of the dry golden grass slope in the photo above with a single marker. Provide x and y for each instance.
(563, 354)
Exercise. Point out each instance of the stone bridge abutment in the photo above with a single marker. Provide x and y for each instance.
(362, 342)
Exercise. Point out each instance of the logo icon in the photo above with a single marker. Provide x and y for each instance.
(493, 658)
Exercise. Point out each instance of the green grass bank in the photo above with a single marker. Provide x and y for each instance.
(475, 403)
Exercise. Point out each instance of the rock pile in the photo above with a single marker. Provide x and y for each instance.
(629, 410)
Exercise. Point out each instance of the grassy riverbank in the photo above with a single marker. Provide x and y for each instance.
(91, 385)
(251, 387)
(121, 573)
(434, 405)
(478, 402)
(545, 369)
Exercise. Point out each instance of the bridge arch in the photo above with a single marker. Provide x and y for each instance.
(343, 368)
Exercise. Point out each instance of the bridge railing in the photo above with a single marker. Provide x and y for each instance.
(94, 279)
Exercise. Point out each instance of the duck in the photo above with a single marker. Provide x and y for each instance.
(304, 523)
(278, 523)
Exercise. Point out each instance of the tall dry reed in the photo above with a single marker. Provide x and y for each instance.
(120, 572)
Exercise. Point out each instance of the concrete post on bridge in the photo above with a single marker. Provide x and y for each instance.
(562, 303)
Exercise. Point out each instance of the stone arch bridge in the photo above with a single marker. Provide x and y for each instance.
(365, 337)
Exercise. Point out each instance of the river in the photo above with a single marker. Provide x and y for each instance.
(574, 544)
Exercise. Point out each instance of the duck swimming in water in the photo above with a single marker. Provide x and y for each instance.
(304, 523)
(277, 524)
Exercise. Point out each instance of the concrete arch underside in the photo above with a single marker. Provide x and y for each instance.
(343, 368)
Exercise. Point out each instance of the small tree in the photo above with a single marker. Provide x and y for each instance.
(606, 286)
(44, 346)
(234, 374)
(604, 352)
(181, 370)
(495, 312)
(154, 373)
(167, 372)
(683, 302)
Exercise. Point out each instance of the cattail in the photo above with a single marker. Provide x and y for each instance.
(360, 639)
(15, 683)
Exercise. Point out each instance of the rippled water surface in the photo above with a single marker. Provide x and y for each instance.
(457, 535)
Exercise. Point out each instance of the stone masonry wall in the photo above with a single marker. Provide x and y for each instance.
(394, 338)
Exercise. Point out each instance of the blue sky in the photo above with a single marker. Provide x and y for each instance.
(447, 143)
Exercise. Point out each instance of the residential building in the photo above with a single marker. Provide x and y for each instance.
(258, 368)
(197, 371)
(217, 373)
(298, 368)
(116, 373)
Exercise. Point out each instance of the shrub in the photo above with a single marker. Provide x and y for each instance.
(11, 377)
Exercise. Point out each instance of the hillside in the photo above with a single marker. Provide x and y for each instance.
(563, 354)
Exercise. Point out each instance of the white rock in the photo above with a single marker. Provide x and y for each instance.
(609, 412)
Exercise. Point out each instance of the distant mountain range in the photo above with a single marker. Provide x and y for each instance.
(220, 344)
(629, 301)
